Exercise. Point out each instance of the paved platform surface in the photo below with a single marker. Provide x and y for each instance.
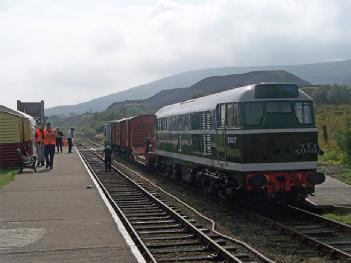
(51, 216)
(332, 192)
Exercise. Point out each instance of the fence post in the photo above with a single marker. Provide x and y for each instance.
(325, 134)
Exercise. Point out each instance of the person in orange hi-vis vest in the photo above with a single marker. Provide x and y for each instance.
(39, 144)
(49, 145)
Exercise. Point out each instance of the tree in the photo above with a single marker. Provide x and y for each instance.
(343, 140)
(339, 95)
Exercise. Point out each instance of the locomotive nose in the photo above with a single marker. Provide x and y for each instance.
(257, 180)
(316, 178)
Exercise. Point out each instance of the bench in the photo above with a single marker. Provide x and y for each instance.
(27, 161)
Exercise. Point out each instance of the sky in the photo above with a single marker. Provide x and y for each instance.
(71, 51)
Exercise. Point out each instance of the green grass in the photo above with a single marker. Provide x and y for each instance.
(7, 175)
(344, 177)
(343, 218)
(336, 118)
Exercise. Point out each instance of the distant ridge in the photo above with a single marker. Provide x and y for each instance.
(208, 86)
(336, 72)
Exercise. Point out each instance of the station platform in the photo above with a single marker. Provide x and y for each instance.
(52, 216)
(332, 193)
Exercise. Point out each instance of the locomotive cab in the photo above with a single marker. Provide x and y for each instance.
(274, 136)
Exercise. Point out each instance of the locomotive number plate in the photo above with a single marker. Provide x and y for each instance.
(307, 148)
(232, 140)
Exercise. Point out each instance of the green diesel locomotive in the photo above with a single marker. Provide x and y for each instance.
(249, 142)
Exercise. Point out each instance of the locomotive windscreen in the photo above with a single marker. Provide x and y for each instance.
(266, 91)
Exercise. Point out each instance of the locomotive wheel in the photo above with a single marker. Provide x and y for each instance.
(177, 171)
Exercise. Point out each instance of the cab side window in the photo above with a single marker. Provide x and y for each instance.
(228, 115)
(304, 112)
(223, 115)
(236, 122)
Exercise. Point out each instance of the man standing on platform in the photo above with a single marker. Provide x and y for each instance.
(49, 145)
(69, 139)
(59, 140)
(39, 144)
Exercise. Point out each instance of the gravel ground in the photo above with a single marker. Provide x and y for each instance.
(230, 221)
(330, 169)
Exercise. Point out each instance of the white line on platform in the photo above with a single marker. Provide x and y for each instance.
(118, 222)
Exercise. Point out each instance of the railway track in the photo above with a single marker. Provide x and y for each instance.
(162, 233)
(331, 238)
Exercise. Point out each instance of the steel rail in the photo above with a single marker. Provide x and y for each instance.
(221, 252)
(323, 220)
(135, 237)
(328, 249)
(213, 223)
(333, 252)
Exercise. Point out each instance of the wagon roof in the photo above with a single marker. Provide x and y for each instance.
(209, 103)
(133, 117)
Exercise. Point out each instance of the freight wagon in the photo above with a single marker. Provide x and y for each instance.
(128, 135)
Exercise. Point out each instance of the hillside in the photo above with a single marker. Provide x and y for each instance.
(208, 86)
(337, 72)
(89, 123)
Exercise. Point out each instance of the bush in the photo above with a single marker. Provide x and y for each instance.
(343, 140)
(330, 94)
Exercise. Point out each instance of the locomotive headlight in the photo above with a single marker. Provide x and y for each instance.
(316, 178)
(257, 180)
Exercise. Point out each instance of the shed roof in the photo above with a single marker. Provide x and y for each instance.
(10, 111)
(17, 113)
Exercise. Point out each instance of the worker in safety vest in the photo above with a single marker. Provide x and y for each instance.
(49, 145)
(39, 144)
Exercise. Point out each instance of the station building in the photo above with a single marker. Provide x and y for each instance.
(34, 109)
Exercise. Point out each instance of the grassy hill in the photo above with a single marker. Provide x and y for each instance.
(207, 86)
(336, 72)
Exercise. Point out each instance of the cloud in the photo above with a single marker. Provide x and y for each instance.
(70, 51)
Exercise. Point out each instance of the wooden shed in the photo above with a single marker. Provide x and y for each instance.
(16, 131)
